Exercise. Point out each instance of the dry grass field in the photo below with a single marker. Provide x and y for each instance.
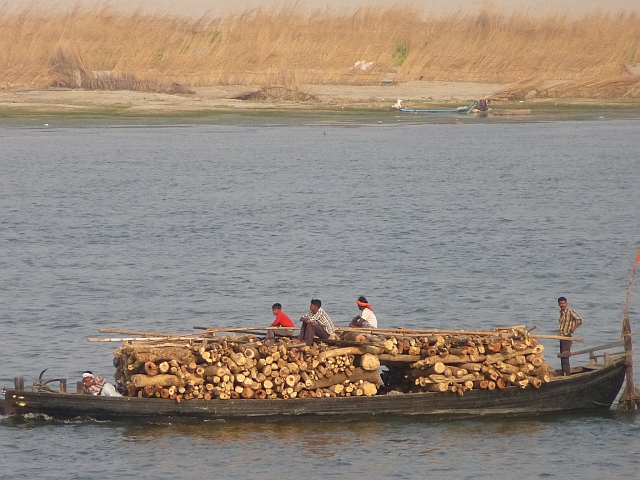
(591, 57)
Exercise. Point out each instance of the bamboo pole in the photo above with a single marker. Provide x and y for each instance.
(243, 329)
(143, 334)
(200, 339)
(432, 331)
(419, 333)
(144, 339)
(156, 336)
(558, 337)
(630, 398)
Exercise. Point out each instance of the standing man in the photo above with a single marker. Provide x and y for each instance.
(315, 323)
(366, 319)
(569, 321)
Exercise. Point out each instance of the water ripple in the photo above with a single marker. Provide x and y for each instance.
(161, 229)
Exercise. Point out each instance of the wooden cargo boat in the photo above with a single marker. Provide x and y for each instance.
(591, 387)
(587, 388)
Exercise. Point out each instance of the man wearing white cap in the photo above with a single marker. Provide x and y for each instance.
(96, 385)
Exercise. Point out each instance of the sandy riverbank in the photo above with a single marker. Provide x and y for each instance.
(225, 98)
(20, 102)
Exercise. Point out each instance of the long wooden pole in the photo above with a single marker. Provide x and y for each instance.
(430, 331)
(630, 398)
(419, 333)
(557, 337)
(182, 336)
(154, 336)
(143, 334)
(145, 339)
(243, 329)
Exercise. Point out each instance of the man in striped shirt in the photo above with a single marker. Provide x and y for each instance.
(315, 323)
(569, 322)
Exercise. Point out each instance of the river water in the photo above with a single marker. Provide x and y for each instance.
(165, 227)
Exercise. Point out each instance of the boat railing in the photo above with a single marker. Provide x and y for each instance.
(593, 358)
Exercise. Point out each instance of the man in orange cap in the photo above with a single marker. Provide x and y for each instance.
(366, 319)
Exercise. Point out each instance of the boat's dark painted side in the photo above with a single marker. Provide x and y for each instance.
(454, 110)
(591, 389)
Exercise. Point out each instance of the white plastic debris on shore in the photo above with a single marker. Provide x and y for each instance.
(363, 65)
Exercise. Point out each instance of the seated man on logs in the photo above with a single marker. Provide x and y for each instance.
(281, 320)
(315, 323)
(96, 385)
(569, 322)
(366, 319)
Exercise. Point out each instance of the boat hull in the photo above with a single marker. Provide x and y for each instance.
(455, 110)
(584, 391)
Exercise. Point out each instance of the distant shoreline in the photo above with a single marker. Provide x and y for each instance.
(17, 103)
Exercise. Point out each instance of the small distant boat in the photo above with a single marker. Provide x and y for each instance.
(467, 109)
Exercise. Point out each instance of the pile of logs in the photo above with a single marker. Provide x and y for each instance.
(242, 368)
(249, 367)
(455, 362)
(487, 364)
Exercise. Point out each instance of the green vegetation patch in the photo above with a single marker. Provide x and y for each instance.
(157, 58)
(400, 54)
(213, 36)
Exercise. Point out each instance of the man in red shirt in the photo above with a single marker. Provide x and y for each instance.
(282, 320)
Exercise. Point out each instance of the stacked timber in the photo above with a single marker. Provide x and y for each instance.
(231, 367)
(457, 363)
